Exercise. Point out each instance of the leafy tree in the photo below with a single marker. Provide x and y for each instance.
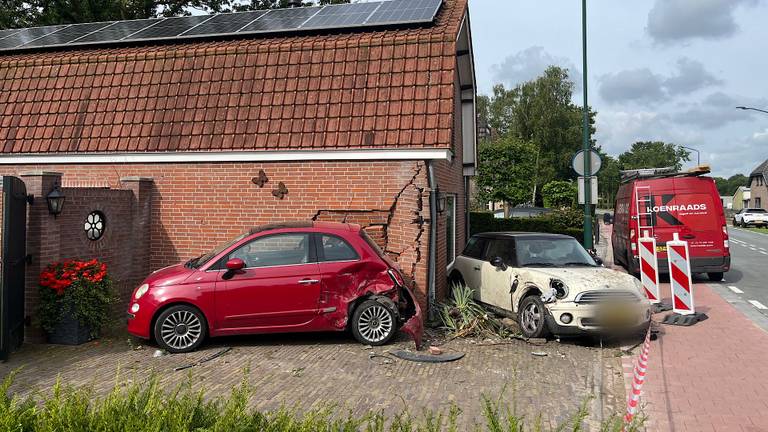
(23, 13)
(608, 180)
(727, 187)
(559, 194)
(653, 154)
(541, 112)
(504, 171)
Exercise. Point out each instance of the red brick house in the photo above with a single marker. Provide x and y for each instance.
(371, 125)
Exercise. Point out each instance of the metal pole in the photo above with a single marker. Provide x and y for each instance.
(585, 144)
(698, 153)
(752, 109)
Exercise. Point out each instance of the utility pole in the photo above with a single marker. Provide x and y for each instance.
(585, 144)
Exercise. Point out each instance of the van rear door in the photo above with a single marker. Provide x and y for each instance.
(690, 209)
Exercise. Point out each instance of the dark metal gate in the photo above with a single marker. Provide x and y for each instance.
(13, 239)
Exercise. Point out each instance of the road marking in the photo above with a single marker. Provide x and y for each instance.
(758, 305)
(735, 289)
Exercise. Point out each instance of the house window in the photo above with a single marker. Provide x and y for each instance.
(95, 223)
(758, 204)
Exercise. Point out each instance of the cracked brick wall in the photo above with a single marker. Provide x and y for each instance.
(195, 207)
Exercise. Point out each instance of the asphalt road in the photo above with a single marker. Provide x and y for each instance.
(748, 278)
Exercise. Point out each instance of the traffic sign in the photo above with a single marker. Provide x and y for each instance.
(578, 162)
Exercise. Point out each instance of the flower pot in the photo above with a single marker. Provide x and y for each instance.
(70, 331)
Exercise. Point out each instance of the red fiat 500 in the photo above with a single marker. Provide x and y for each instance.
(292, 277)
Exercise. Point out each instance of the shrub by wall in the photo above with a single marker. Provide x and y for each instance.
(558, 222)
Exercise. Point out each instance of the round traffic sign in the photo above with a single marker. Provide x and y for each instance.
(578, 162)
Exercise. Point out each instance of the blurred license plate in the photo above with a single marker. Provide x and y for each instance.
(616, 315)
(661, 248)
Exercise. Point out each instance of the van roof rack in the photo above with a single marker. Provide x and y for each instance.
(652, 173)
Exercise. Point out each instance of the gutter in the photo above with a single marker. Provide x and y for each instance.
(432, 248)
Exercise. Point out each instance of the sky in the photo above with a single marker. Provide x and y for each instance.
(669, 70)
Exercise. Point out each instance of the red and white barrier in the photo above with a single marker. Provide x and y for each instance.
(680, 276)
(638, 379)
(649, 267)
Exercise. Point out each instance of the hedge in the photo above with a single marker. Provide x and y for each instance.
(550, 223)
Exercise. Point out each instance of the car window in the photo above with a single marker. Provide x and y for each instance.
(474, 248)
(756, 210)
(274, 250)
(504, 248)
(337, 249)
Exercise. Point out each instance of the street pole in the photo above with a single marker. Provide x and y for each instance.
(752, 109)
(698, 153)
(585, 136)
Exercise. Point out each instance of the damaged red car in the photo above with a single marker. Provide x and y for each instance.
(291, 277)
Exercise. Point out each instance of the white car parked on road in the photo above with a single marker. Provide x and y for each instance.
(550, 284)
(751, 216)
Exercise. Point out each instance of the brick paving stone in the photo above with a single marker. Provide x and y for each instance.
(309, 370)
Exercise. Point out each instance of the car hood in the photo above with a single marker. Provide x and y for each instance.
(170, 275)
(580, 279)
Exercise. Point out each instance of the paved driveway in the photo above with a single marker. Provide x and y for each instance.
(314, 369)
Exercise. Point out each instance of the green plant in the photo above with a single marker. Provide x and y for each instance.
(462, 316)
(559, 194)
(568, 222)
(81, 289)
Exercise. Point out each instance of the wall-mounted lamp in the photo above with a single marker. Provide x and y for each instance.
(55, 200)
(440, 199)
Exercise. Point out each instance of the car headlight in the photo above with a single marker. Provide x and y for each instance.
(141, 291)
(561, 289)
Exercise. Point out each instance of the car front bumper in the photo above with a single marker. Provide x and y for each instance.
(139, 322)
(586, 319)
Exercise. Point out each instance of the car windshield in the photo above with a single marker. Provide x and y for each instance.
(202, 259)
(552, 252)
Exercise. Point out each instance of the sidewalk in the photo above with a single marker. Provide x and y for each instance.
(712, 376)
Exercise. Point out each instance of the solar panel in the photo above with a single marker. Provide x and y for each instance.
(377, 13)
(224, 23)
(281, 19)
(342, 15)
(67, 34)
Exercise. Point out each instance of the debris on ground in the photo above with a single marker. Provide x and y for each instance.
(160, 353)
(217, 354)
(380, 359)
(435, 350)
(297, 372)
(539, 353)
(427, 358)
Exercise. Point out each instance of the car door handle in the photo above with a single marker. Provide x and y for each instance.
(308, 281)
(476, 268)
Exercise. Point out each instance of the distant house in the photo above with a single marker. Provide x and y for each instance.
(741, 198)
(727, 202)
(758, 185)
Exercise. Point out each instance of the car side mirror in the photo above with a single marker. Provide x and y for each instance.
(598, 261)
(235, 264)
(498, 263)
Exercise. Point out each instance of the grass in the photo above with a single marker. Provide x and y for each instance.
(760, 230)
(148, 407)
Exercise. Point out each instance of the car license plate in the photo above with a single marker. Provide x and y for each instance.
(661, 248)
(616, 315)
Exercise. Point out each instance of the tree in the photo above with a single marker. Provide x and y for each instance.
(559, 194)
(504, 170)
(608, 180)
(22, 13)
(541, 112)
(653, 154)
(727, 187)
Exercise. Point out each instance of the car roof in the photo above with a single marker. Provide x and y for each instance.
(522, 234)
(333, 226)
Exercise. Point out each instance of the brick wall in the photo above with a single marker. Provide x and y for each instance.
(194, 207)
(758, 191)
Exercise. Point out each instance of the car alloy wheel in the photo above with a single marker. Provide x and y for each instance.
(532, 317)
(180, 329)
(373, 323)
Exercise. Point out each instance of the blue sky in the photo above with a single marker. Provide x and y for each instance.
(671, 70)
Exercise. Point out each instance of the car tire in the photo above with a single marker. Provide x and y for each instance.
(715, 276)
(531, 315)
(373, 323)
(180, 329)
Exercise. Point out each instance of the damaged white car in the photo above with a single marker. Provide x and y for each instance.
(550, 284)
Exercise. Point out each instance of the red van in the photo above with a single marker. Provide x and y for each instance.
(663, 202)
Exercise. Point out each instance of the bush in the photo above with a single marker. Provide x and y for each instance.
(151, 407)
(568, 222)
(82, 289)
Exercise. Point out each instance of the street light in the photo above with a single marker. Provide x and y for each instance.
(698, 153)
(752, 109)
(586, 146)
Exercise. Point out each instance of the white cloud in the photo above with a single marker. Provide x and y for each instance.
(671, 21)
(530, 63)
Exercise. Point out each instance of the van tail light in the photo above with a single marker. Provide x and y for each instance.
(633, 240)
(725, 237)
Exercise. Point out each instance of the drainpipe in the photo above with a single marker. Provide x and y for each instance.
(431, 263)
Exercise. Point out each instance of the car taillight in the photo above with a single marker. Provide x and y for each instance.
(725, 237)
(396, 278)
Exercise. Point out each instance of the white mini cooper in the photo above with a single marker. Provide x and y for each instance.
(550, 284)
